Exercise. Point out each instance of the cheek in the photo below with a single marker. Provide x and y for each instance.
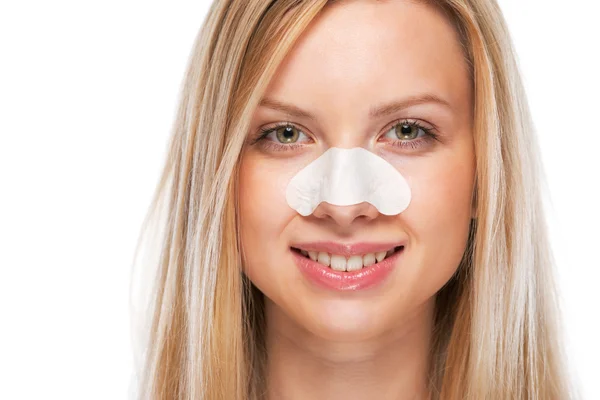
(442, 194)
(440, 212)
(264, 213)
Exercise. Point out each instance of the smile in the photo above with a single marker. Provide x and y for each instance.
(346, 267)
(343, 263)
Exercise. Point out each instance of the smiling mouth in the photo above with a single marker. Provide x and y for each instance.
(352, 263)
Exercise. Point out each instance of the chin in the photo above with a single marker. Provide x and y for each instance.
(345, 320)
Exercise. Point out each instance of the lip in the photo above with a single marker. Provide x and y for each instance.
(348, 250)
(367, 277)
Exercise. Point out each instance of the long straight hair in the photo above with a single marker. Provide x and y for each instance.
(497, 332)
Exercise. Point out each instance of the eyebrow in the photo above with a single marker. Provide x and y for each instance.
(375, 112)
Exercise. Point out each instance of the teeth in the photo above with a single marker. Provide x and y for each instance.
(355, 263)
(340, 263)
(368, 259)
(380, 256)
(324, 258)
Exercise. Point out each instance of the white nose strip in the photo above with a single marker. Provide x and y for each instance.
(344, 177)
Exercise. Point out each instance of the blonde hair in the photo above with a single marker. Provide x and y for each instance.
(497, 332)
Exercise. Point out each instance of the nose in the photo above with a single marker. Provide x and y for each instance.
(345, 215)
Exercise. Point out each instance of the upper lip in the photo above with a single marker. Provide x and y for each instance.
(348, 249)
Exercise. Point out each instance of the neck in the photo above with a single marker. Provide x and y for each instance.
(390, 366)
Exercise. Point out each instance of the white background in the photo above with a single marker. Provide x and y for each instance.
(87, 97)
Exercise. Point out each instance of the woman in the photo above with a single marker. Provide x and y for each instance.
(467, 306)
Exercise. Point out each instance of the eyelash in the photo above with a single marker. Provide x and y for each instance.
(429, 135)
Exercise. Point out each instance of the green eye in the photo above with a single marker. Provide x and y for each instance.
(406, 131)
(287, 134)
(409, 135)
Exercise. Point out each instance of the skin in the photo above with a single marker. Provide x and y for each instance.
(357, 55)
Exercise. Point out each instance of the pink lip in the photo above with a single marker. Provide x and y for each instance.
(328, 278)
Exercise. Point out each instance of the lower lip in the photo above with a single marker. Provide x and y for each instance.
(364, 278)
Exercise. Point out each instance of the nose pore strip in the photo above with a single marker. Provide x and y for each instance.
(345, 177)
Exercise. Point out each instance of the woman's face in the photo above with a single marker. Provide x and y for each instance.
(357, 57)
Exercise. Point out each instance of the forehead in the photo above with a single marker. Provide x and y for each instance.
(357, 52)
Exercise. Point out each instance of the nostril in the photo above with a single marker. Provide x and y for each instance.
(345, 215)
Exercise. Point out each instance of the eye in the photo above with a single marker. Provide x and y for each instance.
(285, 136)
(286, 133)
(407, 131)
(409, 134)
